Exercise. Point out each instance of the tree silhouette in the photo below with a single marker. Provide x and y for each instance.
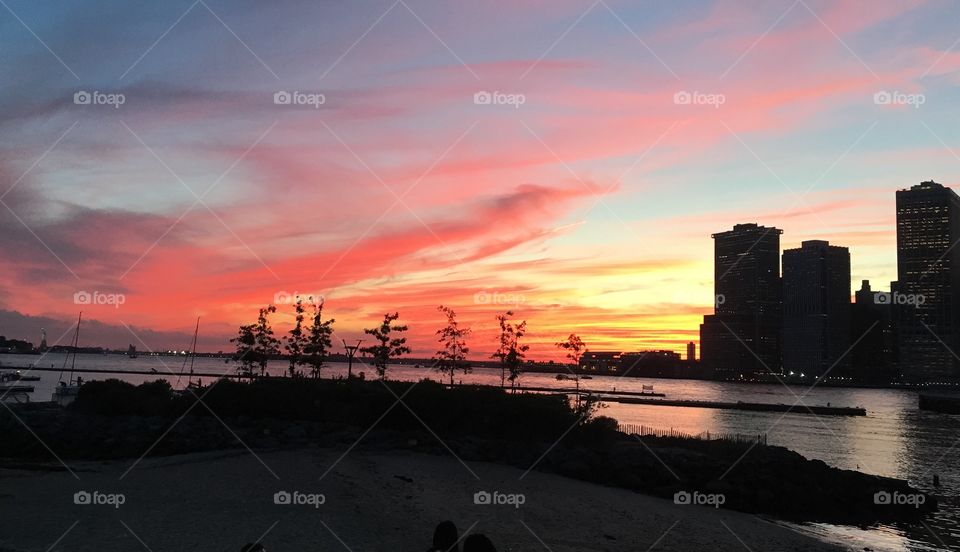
(511, 352)
(386, 347)
(256, 344)
(575, 348)
(453, 354)
(246, 342)
(296, 339)
(318, 341)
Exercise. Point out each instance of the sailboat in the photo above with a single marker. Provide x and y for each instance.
(191, 385)
(66, 391)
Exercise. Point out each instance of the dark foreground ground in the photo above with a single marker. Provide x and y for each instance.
(372, 501)
(418, 445)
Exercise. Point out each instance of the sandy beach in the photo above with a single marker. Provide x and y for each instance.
(370, 501)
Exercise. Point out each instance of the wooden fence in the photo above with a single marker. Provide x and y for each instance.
(641, 430)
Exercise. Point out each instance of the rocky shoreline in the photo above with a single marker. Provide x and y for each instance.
(766, 480)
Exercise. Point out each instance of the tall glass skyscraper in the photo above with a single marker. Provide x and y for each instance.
(926, 297)
(742, 338)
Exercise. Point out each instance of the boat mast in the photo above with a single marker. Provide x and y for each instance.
(72, 355)
(193, 352)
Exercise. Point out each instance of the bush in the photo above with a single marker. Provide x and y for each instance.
(461, 411)
(113, 397)
(598, 430)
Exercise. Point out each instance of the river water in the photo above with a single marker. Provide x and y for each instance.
(894, 439)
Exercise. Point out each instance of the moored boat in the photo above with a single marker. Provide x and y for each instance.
(66, 391)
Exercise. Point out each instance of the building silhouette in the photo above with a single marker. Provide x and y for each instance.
(742, 339)
(816, 310)
(874, 348)
(925, 299)
(691, 352)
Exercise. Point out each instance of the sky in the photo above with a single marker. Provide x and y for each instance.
(566, 160)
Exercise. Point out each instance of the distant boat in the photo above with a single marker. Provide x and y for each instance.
(132, 352)
(17, 376)
(586, 377)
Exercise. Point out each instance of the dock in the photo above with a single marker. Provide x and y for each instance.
(754, 407)
(10, 388)
(594, 392)
(946, 404)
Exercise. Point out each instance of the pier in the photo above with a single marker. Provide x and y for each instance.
(946, 404)
(755, 407)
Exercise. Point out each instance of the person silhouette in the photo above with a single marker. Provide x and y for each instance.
(445, 538)
(478, 543)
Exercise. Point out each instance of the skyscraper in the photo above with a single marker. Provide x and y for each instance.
(925, 298)
(816, 309)
(742, 338)
(874, 350)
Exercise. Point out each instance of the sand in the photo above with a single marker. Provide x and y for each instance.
(372, 501)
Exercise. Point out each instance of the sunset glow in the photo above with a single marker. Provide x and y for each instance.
(582, 196)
